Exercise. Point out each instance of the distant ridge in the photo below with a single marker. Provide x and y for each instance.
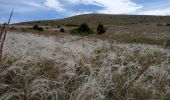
(106, 19)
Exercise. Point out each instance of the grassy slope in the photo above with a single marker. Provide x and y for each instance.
(93, 19)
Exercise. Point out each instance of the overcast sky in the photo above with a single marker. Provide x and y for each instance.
(27, 10)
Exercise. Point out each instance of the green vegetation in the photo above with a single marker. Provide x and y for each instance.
(101, 29)
(168, 24)
(83, 29)
(141, 38)
(37, 27)
(62, 30)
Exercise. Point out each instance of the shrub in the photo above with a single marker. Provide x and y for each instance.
(40, 29)
(23, 29)
(83, 29)
(36, 27)
(167, 43)
(168, 24)
(62, 30)
(12, 28)
(71, 25)
(159, 24)
(4, 24)
(101, 29)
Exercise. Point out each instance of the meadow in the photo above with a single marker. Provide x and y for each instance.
(71, 67)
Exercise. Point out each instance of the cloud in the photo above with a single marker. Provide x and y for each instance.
(120, 7)
(54, 4)
(80, 13)
(165, 11)
(19, 6)
(111, 6)
(53, 9)
(34, 4)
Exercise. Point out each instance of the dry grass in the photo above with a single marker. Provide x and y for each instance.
(76, 68)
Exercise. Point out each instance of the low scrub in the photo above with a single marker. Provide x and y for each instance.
(168, 24)
(101, 29)
(83, 29)
(62, 30)
(37, 27)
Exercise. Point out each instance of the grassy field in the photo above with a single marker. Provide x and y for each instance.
(130, 61)
(144, 34)
(68, 67)
(120, 28)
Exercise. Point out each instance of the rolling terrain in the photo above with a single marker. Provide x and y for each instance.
(130, 61)
(121, 28)
(106, 19)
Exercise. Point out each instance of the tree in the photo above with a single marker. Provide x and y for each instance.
(101, 29)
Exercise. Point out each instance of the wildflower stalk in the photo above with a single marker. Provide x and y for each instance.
(3, 36)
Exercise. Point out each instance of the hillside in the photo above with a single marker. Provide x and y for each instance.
(106, 19)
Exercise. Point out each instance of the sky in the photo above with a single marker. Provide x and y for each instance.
(29, 10)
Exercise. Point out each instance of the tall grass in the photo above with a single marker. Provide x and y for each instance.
(76, 68)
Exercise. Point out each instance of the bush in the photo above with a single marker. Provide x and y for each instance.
(36, 27)
(167, 44)
(40, 29)
(12, 28)
(23, 29)
(159, 24)
(62, 30)
(101, 29)
(83, 29)
(168, 24)
(71, 25)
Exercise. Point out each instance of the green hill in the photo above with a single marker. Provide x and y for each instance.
(106, 19)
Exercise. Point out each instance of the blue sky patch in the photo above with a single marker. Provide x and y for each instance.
(28, 10)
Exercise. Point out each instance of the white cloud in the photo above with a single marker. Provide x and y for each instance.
(111, 6)
(107, 7)
(54, 4)
(80, 13)
(34, 4)
(73, 1)
(165, 11)
(20, 6)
